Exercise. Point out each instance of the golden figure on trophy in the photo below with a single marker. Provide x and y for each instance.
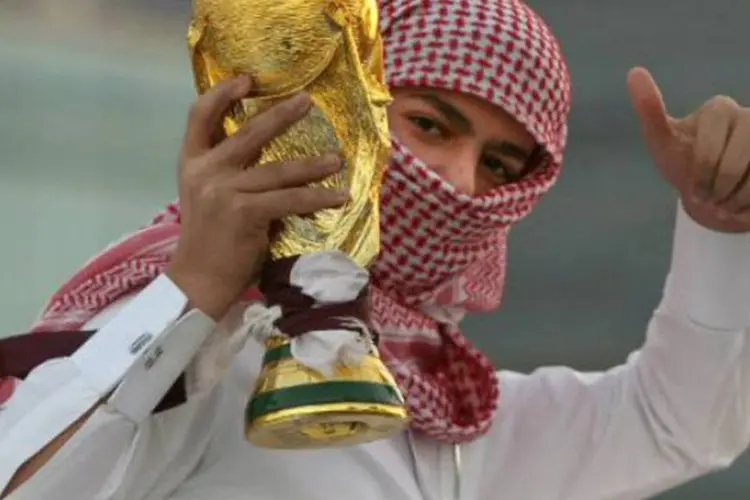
(322, 381)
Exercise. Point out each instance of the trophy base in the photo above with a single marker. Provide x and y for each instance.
(326, 425)
(295, 407)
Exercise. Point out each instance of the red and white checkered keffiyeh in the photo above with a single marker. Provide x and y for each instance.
(443, 252)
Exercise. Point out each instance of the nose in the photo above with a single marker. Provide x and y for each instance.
(460, 170)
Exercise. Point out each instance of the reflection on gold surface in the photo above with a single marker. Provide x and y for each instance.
(297, 407)
(332, 49)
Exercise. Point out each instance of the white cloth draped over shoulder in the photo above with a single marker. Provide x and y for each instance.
(677, 409)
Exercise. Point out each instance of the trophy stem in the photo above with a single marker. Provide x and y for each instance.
(322, 382)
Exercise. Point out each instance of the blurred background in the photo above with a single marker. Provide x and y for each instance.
(93, 98)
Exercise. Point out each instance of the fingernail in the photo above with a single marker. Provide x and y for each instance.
(243, 80)
(239, 86)
(331, 162)
(341, 194)
(301, 100)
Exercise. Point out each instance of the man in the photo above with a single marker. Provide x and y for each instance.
(481, 103)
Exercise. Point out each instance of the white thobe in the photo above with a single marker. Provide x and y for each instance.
(677, 409)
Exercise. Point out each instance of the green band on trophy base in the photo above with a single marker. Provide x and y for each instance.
(322, 393)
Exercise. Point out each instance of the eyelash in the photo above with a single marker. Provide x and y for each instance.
(500, 170)
(424, 123)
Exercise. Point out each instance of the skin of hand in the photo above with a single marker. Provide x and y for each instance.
(705, 155)
(229, 208)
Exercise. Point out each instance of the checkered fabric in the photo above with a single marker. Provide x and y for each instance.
(443, 252)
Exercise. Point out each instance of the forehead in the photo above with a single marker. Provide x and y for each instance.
(499, 50)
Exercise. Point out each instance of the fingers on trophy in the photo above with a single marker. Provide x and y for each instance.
(322, 381)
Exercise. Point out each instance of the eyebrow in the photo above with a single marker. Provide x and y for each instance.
(448, 110)
(464, 125)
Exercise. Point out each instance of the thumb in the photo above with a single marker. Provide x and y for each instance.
(649, 107)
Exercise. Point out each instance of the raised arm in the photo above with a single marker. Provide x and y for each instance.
(679, 408)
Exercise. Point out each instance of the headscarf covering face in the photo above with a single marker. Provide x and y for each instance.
(501, 52)
(443, 251)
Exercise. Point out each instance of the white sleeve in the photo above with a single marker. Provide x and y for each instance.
(122, 449)
(676, 410)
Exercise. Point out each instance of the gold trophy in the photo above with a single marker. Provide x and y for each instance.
(332, 49)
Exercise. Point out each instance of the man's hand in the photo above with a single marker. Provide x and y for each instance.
(228, 208)
(705, 156)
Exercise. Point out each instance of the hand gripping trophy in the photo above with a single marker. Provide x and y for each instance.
(322, 382)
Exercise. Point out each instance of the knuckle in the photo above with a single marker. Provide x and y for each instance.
(193, 164)
(705, 160)
(274, 119)
(722, 103)
(704, 163)
(246, 207)
(236, 205)
(190, 174)
(300, 171)
(274, 173)
(198, 109)
(286, 173)
(254, 136)
(318, 198)
(308, 196)
(212, 193)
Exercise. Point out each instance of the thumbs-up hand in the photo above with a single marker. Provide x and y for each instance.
(705, 156)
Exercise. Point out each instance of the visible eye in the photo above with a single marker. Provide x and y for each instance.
(499, 168)
(429, 126)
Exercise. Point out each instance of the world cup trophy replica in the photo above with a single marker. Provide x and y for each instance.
(322, 381)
